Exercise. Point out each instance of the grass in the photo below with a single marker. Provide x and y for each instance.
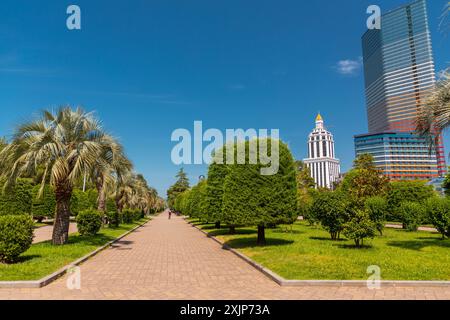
(43, 258)
(307, 253)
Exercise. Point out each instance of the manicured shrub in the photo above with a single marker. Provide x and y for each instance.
(359, 228)
(411, 215)
(89, 222)
(438, 212)
(377, 207)
(138, 215)
(113, 218)
(81, 201)
(17, 199)
(16, 236)
(331, 210)
(43, 206)
(197, 201)
(127, 216)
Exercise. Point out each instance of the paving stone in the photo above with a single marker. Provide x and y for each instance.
(169, 259)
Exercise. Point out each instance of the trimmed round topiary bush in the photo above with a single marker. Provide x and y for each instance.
(89, 222)
(16, 236)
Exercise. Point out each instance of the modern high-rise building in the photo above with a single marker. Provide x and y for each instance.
(399, 73)
(399, 155)
(322, 163)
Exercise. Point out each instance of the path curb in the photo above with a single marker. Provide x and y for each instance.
(299, 283)
(33, 284)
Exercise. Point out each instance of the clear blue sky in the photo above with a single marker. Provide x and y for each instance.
(149, 67)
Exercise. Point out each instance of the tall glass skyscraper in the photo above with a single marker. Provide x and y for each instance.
(399, 71)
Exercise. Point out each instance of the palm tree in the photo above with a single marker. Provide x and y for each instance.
(66, 144)
(434, 116)
(445, 19)
(111, 165)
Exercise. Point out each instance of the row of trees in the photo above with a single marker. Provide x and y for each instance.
(365, 200)
(238, 195)
(68, 151)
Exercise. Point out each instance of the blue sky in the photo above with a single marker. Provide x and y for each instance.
(150, 67)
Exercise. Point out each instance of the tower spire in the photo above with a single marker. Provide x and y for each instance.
(319, 121)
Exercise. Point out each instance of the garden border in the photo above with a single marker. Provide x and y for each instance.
(298, 283)
(34, 284)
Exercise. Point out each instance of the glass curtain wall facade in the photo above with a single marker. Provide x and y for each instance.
(399, 155)
(399, 71)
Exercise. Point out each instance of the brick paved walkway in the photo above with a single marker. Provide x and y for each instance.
(169, 259)
(45, 233)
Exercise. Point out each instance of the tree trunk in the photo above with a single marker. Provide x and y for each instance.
(232, 229)
(101, 202)
(63, 194)
(217, 226)
(261, 236)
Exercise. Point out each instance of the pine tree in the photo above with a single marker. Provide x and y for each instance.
(179, 187)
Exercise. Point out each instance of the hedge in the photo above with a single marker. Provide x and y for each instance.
(16, 200)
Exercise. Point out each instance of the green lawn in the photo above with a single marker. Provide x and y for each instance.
(43, 259)
(307, 253)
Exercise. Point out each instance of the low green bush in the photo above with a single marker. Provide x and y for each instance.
(130, 215)
(89, 222)
(127, 216)
(411, 214)
(438, 212)
(16, 236)
(113, 218)
(82, 201)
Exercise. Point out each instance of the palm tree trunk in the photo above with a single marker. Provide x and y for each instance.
(101, 202)
(63, 194)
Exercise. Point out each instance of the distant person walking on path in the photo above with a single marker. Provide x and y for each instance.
(170, 214)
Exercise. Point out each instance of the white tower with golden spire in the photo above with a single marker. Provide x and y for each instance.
(323, 165)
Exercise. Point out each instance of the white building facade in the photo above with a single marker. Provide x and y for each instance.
(325, 169)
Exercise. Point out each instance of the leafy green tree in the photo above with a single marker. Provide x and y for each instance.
(331, 209)
(305, 192)
(438, 211)
(377, 207)
(407, 190)
(181, 185)
(251, 198)
(359, 228)
(412, 215)
(217, 172)
(446, 184)
(305, 206)
(197, 201)
(364, 181)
